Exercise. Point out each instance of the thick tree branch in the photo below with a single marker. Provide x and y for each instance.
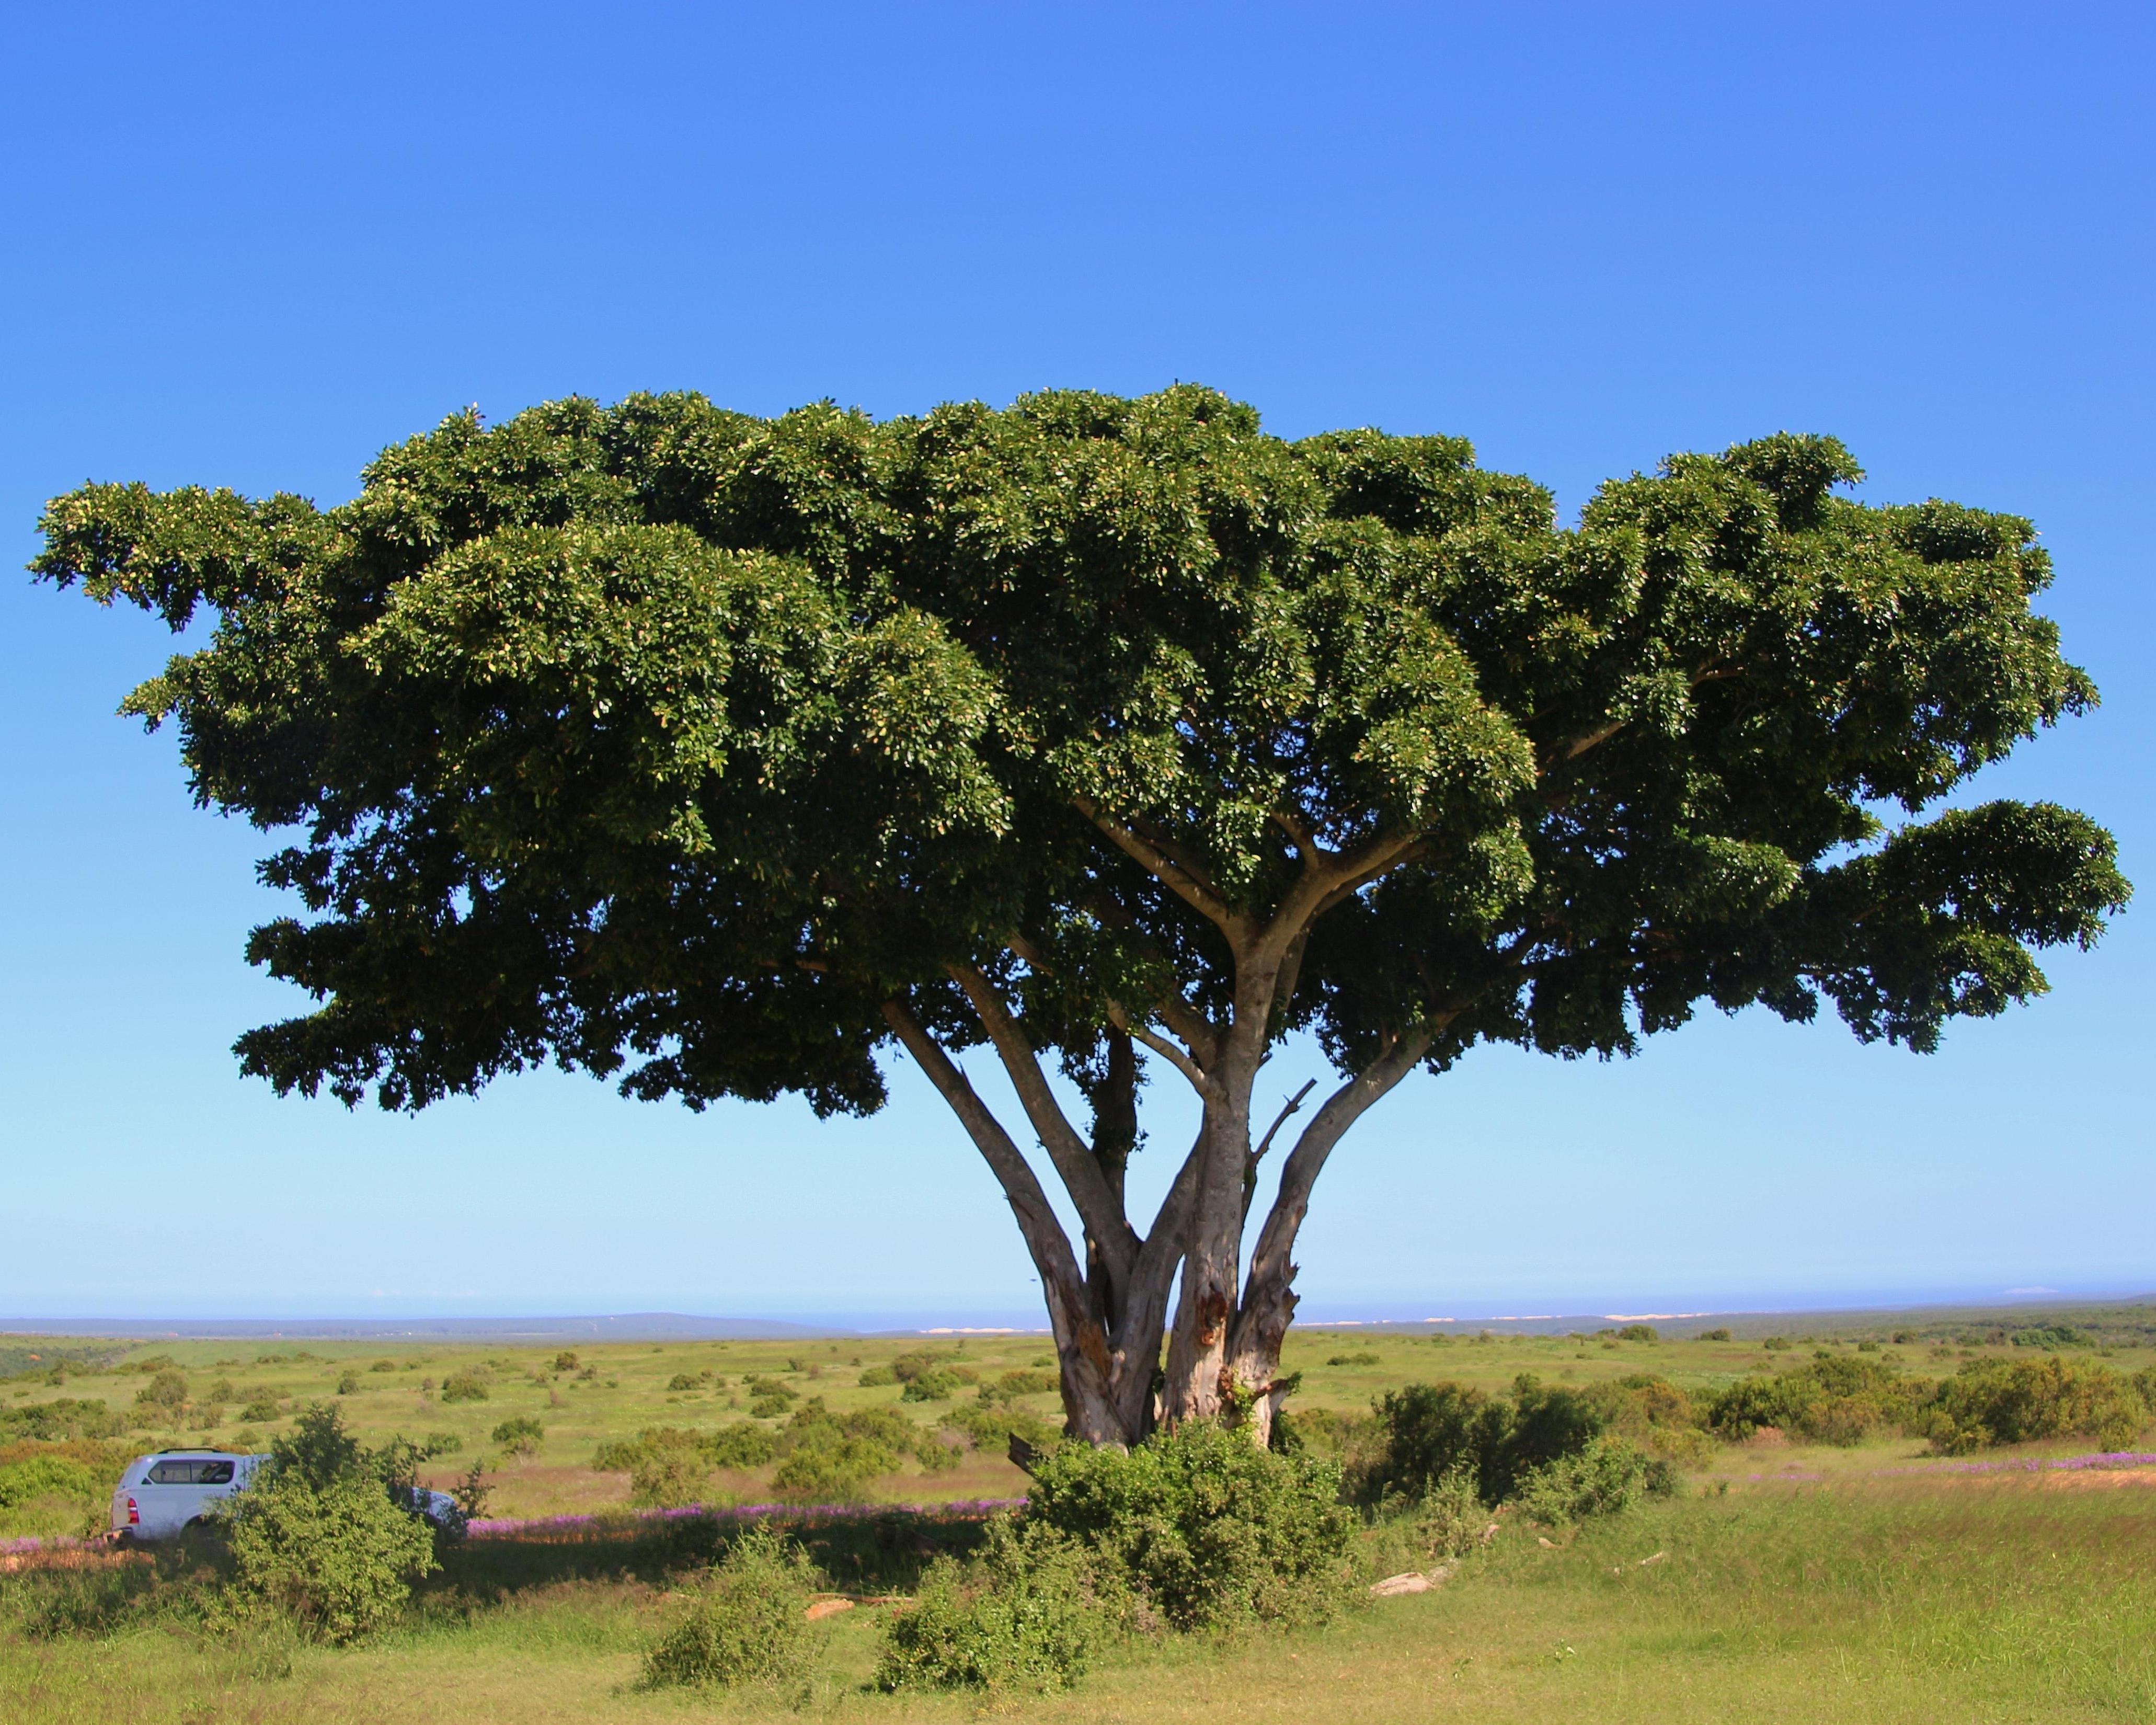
(1044, 1238)
(1200, 1080)
(1073, 1158)
(1184, 883)
(1306, 1161)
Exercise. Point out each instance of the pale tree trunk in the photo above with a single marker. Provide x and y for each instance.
(1268, 1300)
(1107, 1317)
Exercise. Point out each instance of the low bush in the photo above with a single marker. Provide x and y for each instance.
(62, 1419)
(462, 1386)
(2051, 1337)
(2017, 1401)
(259, 1412)
(1607, 1477)
(45, 1477)
(318, 1538)
(49, 1494)
(744, 1624)
(992, 1427)
(1028, 1613)
(1833, 1399)
(1352, 1359)
(875, 1377)
(1013, 1384)
(740, 1444)
(1654, 1414)
(165, 1391)
(1203, 1526)
(520, 1434)
(1426, 1431)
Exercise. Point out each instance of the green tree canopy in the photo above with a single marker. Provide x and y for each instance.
(723, 755)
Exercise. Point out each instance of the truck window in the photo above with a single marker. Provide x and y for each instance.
(189, 1473)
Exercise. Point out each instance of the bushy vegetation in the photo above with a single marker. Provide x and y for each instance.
(1029, 1611)
(1202, 1525)
(1842, 1398)
(520, 1434)
(1607, 1477)
(2017, 1401)
(62, 1419)
(823, 1457)
(744, 1621)
(1832, 1398)
(324, 1535)
(1426, 1432)
(1194, 1529)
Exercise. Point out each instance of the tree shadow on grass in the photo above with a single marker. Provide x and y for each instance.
(881, 1552)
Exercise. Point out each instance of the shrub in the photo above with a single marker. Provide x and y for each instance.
(1204, 1526)
(382, 1365)
(1831, 1400)
(347, 1382)
(1028, 1613)
(1776, 1344)
(522, 1433)
(1448, 1521)
(992, 1427)
(1607, 1477)
(566, 1360)
(1013, 1384)
(2016, 1401)
(222, 1391)
(769, 1407)
(740, 1444)
(464, 1386)
(1426, 1431)
(1352, 1359)
(45, 1477)
(745, 1623)
(875, 1377)
(259, 1412)
(317, 1537)
(833, 1471)
(1638, 1332)
(2051, 1337)
(1717, 1335)
(166, 1391)
(666, 1475)
(683, 1380)
(936, 1386)
(64, 1419)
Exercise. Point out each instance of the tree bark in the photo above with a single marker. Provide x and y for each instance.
(1268, 1300)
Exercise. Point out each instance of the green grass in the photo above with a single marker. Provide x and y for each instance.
(1902, 1598)
(627, 1391)
(1798, 1583)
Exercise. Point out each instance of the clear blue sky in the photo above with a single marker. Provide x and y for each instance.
(250, 246)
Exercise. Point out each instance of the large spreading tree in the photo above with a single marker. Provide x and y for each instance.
(726, 755)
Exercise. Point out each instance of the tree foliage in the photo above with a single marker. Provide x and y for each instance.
(718, 755)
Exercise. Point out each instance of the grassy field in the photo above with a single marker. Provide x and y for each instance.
(1899, 1599)
(1788, 1582)
(613, 1391)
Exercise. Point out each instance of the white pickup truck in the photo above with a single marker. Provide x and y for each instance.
(162, 1496)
